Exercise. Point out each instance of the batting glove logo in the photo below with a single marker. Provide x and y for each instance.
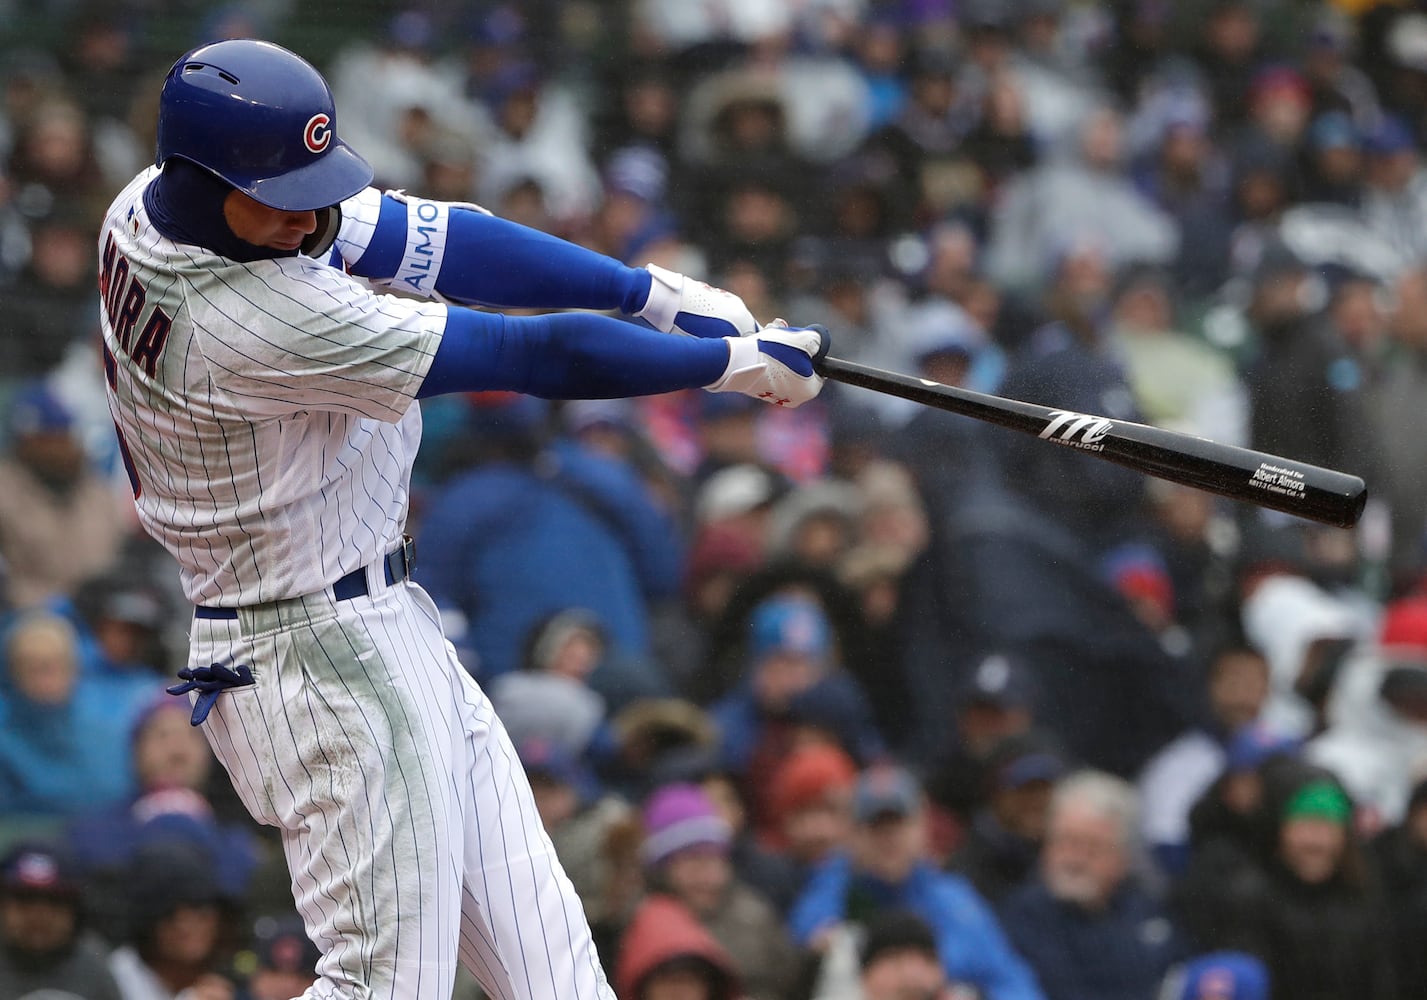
(318, 133)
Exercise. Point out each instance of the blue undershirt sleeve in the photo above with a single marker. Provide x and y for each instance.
(567, 356)
(495, 262)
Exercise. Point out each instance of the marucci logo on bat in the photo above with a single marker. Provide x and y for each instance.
(1078, 430)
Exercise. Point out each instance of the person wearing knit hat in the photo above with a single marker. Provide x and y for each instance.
(811, 800)
(1328, 934)
(681, 818)
(793, 689)
(1313, 830)
(686, 855)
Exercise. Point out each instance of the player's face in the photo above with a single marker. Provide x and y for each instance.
(255, 223)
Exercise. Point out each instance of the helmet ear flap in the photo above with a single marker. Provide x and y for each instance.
(320, 240)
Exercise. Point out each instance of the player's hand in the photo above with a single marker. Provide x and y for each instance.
(775, 365)
(680, 304)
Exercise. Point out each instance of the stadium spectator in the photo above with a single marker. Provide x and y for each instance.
(1399, 856)
(64, 742)
(178, 929)
(886, 869)
(45, 949)
(920, 177)
(1087, 925)
(1006, 832)
(667, 955)
(1176, 777)
(549, 700)
(60, 523)
(895, 958)
(285, 960)
(1220, 975)
(685, 855)
(791, 658)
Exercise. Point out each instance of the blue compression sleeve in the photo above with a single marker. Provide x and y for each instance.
(496, 262)
(567, 356)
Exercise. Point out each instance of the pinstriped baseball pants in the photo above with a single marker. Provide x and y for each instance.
(408, 825)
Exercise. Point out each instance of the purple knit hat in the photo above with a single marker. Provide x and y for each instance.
(680, 816)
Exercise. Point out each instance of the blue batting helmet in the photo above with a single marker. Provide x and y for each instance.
(262, 119)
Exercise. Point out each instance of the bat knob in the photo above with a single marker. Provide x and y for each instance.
(824, 341)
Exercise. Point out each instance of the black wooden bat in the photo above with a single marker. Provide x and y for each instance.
(1266, 480)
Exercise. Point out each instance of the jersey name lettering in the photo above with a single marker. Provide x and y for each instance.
(124, 297)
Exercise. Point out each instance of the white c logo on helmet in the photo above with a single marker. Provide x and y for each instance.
(318, 133)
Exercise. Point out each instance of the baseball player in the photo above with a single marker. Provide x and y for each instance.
(265, 392)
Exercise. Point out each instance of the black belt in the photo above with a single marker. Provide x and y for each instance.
(397, 566)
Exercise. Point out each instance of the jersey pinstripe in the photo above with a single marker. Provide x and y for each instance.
(266, 408)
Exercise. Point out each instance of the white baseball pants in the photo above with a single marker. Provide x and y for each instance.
(408, 825)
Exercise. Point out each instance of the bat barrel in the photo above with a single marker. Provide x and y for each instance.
(1255, 477)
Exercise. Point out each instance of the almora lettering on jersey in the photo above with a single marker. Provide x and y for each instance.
(123, 296)
(427, 213)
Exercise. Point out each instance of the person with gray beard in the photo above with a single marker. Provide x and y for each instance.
(1085, 923)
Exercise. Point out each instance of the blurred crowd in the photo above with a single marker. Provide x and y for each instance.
(862, 701)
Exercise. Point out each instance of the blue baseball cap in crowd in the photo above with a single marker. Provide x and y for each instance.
(282, 944)
(788, 625)
(1254, 744)
(36, 869)
(37, 410)
(1391, 136)
(1222, 975)
(1333, 130)
(999, 680)
(885, 792)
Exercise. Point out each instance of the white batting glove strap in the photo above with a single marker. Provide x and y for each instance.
(776, 366)
(679, 304)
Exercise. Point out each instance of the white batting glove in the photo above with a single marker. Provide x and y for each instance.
(775, 366)
(680, 304)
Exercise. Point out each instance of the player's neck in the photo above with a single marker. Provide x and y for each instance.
(185, 204)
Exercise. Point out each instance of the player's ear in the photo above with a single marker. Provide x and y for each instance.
(319, 241)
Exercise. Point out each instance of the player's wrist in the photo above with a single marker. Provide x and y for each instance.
(661, 301)
(777, 366)
(679, 304)
(743, 357)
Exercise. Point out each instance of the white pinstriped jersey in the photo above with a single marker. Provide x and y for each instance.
(266, 409)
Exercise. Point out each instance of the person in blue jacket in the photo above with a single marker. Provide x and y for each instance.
(64, 735)
(535, 528)
(887, 869)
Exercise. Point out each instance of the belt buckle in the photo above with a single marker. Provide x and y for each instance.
(408, 556)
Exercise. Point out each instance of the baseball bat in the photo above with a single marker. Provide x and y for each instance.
(1284, 484)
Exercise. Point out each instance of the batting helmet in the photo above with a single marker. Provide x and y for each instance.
(262, 119)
